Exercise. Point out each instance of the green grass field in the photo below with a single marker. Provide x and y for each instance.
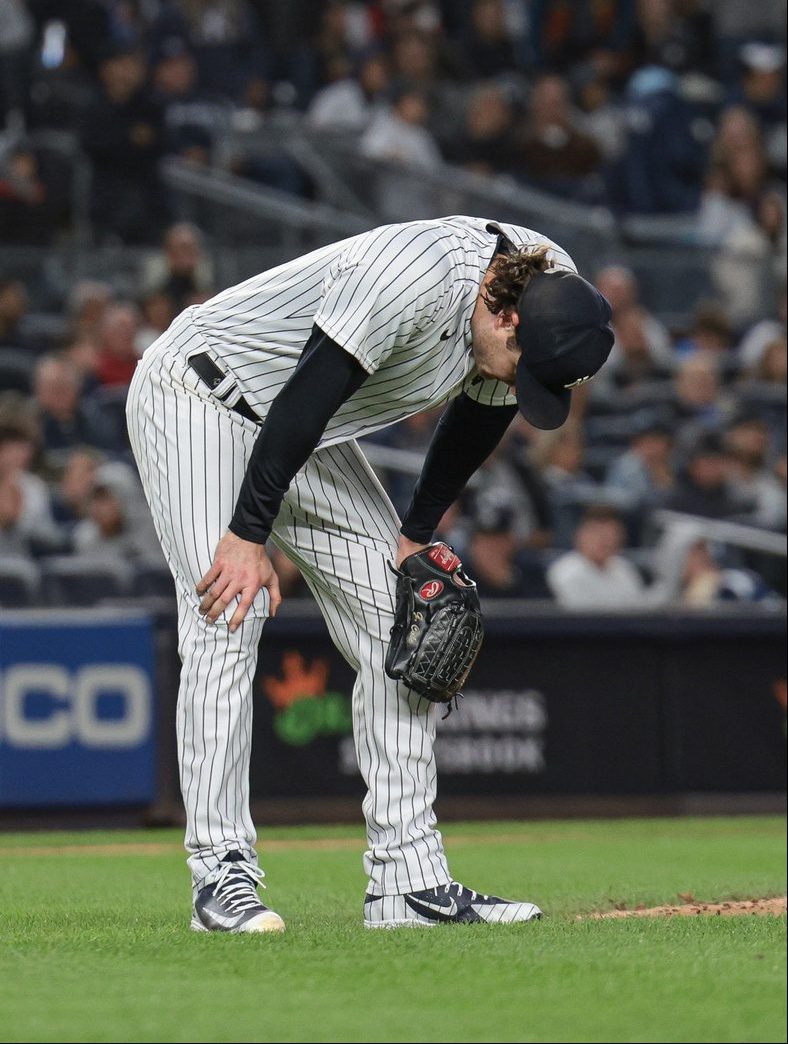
(94, 943)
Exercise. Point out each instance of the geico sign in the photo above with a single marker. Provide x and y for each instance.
(72, 712)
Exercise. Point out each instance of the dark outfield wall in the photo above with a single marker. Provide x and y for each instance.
(557, 705)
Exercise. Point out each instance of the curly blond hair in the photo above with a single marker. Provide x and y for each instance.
(512, 273)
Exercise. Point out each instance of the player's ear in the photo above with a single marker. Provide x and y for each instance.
(505, 320)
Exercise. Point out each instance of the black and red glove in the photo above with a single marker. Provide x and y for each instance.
(438, 627)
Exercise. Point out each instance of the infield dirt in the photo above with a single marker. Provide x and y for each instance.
(740, 908)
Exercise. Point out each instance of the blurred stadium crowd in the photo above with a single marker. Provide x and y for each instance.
(658, 107)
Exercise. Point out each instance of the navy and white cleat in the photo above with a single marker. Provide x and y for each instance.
(230, 903)
(451, 903)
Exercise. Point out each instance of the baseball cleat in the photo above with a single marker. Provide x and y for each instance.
(451, 903)
(230, 902)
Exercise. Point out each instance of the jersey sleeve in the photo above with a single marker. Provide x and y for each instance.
(392, 285)
(488, 392)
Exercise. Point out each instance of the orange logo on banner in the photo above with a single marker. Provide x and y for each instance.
(781, 692)
(298, 681)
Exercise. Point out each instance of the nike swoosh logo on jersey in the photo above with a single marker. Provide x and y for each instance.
(438, 911)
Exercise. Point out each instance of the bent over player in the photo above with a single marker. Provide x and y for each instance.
(244, 417)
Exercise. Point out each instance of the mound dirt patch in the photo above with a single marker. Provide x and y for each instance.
(691, 908)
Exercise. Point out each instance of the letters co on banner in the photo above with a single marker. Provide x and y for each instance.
(76, 709)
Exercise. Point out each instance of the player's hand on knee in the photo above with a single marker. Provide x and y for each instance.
(240, 570)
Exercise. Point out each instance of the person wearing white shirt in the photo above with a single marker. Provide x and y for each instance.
(595, 575)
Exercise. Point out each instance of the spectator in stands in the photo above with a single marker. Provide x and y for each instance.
(118, 352)
(763, 333)
(762, 86)
(399, 135)
(419, 62)
(711, 331)
(13, 540)
(491, 556)
(411, 436)
(699, 402)
(190, 113)
(158, 311)
(780, 471)
(677, 36)
(635, 362)
(66, 419)
(225, 38)
(26, 522)
(704, 581)
(72, 489)
(87, 302)
(117, 518)
(183, 268)
(620, 286)
(661, 170)
(559, 454)
(327, 57)
(556, 155)
(703, 485)
(18, 35)
(106, 530)
(508, 477)
(350, 104)
(737, 131)
(595, 575)
(413, 16)
(643, 477)
(63, 80)
(743, 213)
(565, 33)
(415, 60)
(122, 135)
(14, 306)
(489, 49)
(600, 114)
(747, 441)
(26, 216)
(772, 367)
(486, 144)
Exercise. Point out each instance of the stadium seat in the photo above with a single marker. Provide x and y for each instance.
(20, 582)
(16, 370)
(82, 580)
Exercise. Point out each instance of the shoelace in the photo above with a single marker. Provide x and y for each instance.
(461, 888)
(236, 886)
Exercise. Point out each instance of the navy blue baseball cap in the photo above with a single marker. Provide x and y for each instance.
(565, 336)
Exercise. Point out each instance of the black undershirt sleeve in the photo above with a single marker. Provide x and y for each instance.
(325, 377)
(466, 435)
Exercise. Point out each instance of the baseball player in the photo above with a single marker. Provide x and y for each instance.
(244, 418)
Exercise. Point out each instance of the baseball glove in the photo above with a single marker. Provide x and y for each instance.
(438, 628)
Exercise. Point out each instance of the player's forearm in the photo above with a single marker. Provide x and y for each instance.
(325, 378)
(466, 435)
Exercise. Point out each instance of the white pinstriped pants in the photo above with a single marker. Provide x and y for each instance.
(340, 528)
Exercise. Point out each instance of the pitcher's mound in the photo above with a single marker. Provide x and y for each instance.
(690, 908)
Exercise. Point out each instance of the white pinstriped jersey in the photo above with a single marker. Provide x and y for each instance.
(399, 299)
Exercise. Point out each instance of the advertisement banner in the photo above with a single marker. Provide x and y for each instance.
(579, 705)
(76, 709)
